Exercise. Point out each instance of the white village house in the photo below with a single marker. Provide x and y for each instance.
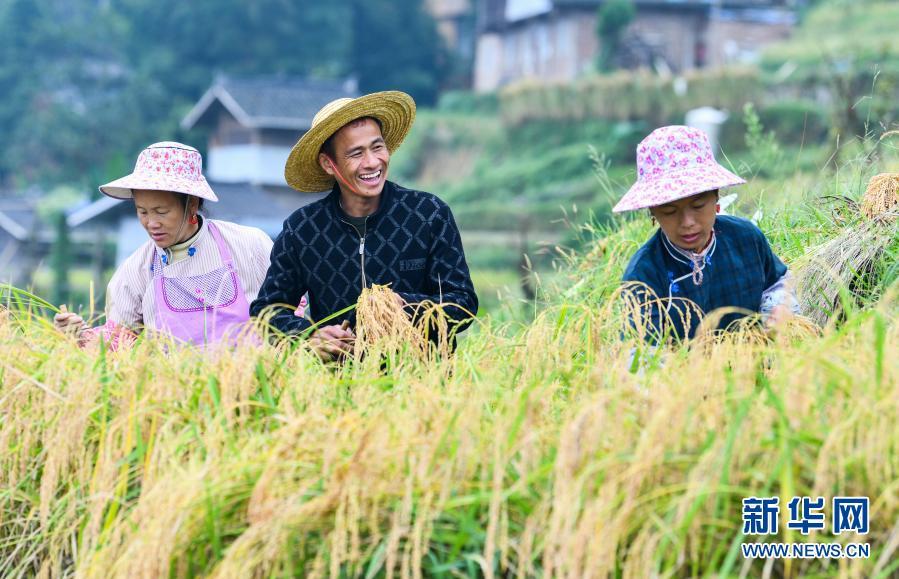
(556, 40)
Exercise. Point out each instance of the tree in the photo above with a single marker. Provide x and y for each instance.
(396, 46)
(612, 18)
(60, 88)
(87, 84)
(19, 35)
(60, 259)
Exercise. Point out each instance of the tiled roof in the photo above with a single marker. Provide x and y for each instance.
(17, 216)
(265, 208)
(270, 102)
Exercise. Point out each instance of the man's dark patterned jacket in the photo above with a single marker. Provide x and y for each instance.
(412, 244)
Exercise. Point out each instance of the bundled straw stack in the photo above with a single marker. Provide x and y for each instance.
(881, 197)
(845, 263)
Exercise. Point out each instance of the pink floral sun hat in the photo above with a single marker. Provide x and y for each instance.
(166, 166)
(673, 163)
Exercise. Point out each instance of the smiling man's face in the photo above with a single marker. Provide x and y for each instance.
(361, 156)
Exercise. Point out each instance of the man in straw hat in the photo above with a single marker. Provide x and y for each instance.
(367, 231)
(697, 258)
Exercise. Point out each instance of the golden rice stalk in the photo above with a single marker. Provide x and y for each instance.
(881, 196)
(383, 324)
(639, 301)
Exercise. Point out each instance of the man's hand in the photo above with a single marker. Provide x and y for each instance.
(69, 323)
(332, 342)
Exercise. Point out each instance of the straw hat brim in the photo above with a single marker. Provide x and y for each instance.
(395, 110)
(124, 187)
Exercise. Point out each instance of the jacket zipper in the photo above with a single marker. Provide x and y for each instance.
(362, 257)
(361, 248)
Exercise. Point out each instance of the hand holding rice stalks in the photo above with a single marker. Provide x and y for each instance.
(384, 324)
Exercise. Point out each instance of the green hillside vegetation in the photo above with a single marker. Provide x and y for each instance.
(533, 185)
(857, 32)
(116, 76)
(495, 176)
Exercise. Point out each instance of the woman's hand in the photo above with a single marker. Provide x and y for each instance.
(69, 323)
(779, 317)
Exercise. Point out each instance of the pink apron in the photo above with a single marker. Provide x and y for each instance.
(201, 309)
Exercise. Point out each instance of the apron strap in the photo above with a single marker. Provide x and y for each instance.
(156, 265)
(223, 247)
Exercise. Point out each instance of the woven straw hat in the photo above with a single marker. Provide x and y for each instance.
(166, 166)
(395, 110)
(673, 163)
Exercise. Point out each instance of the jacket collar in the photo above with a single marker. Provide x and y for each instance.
(387, 195)
(168, 254)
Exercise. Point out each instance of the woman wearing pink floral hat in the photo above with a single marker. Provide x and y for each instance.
(195, 277)
(714, 261)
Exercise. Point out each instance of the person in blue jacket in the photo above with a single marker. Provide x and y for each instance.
(367, 231)
(697, 261)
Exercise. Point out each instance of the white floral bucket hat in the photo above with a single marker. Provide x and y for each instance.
(673, 163)
(166, 166)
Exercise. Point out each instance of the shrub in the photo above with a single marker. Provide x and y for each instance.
(796, 121)
(459, 101)
(629, 96)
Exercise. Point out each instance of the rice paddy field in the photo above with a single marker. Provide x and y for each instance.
(538, 450)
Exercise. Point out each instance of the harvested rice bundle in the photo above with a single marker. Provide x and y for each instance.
(847, 262)
(882, 196)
